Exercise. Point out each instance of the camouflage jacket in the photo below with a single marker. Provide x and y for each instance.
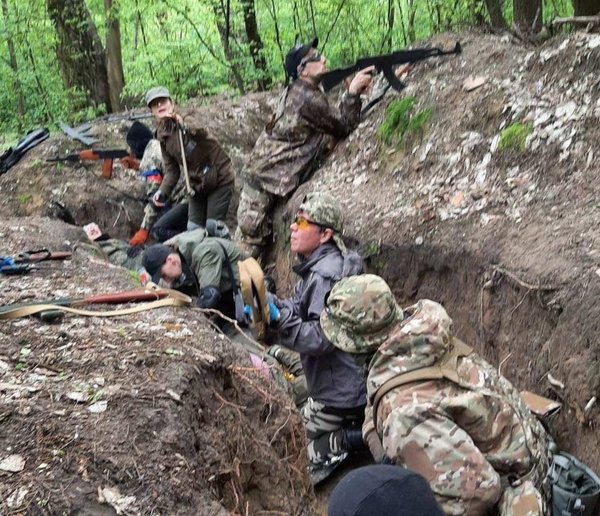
(467, 438)
(209, 166)
(206, 258)
(118, 252)
(301, 129)
(151, 170)
(331, 374)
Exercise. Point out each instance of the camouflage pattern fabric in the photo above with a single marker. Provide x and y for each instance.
(301, 132)
(152, 160)
(325, 209)
(324, 431)
(119, 252)
(475, 441)
(361, 311)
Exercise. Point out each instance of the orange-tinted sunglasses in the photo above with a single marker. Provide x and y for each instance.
(303, 223)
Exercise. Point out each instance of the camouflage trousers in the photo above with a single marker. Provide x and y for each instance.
(325, 429)
(254, 218)
(118, 252)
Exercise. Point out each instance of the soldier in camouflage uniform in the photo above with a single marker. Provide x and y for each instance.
(156, 222)
(303, 128)
(467, 431)
(334, 411)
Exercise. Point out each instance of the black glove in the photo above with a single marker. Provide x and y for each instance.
(209, 297)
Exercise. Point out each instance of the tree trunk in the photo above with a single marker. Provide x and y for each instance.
(494, 8)
(114, 61)
(586, 7)
(223, 24)
(18, 90)
(256, 45)
(79, 51)
(528, 15)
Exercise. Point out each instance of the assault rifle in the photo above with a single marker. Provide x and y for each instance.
(126, 116)
(26, 262)
(384, 64)
(106, 155)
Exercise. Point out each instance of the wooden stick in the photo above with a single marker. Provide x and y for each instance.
(577, 20)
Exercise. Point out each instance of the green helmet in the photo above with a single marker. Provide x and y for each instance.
(325, 210)
(360, 314)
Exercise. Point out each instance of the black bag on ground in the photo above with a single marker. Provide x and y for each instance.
(11, 156)
(574, 486)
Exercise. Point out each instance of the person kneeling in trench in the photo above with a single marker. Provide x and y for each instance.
(334, 410)
(435, 406)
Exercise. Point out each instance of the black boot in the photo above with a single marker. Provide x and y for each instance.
(352, 440)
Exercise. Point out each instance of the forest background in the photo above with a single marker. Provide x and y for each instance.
(74, 60)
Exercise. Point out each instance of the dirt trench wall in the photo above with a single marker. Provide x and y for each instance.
(529, 333)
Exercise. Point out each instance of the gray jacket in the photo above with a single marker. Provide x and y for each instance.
(332, 376)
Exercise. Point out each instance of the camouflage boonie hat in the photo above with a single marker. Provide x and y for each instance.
(325, 210)
(361, 312)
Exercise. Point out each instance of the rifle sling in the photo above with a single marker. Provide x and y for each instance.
(174, 298)
(36, 309)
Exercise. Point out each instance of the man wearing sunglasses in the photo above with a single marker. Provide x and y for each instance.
(334, 411)
(299, 135)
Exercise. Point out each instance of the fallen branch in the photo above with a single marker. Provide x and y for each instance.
(578, 20)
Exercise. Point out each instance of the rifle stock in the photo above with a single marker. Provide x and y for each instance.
(384, 63)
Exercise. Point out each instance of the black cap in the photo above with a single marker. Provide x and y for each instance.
(153, 259)
(138, 137)
(295, 56)
(385, 491)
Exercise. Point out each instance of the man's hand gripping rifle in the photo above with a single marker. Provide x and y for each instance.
(384, 63)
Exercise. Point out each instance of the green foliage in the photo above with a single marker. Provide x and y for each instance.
(402, 122)
(514, 136)
(180, 44)
(24, 198)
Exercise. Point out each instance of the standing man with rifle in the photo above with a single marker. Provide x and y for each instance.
(187, 146)
(301, 132)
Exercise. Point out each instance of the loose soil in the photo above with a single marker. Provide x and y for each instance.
(506, 240)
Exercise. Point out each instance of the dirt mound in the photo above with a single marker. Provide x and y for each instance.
(152, 412)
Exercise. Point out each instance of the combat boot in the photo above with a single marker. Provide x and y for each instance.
(352, 440)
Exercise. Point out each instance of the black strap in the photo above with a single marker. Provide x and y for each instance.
(234, 283)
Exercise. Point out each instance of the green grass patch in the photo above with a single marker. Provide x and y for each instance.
(24, 198)
(514, 136)
(403, 121)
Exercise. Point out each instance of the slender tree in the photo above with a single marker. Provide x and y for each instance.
(12, 56)
(256, 44)
(494, 8)
(528, 15)
(114, 61)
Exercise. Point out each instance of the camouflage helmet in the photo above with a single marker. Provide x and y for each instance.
(325, 210)
(361, 312)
